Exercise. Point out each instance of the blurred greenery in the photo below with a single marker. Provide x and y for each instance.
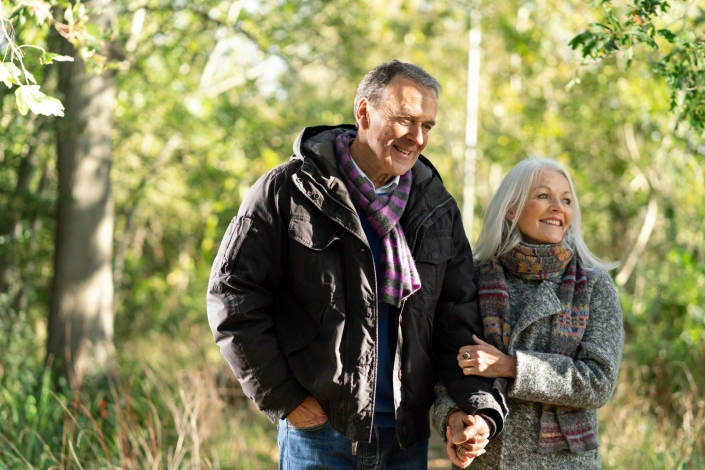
(211, 94)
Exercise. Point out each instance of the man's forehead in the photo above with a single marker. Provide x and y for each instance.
(409, 97)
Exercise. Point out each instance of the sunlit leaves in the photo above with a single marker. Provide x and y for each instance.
(30, 98)
(679, 59)
(50, 57)
(9, 74)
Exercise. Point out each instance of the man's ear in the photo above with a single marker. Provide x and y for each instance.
(362, 115)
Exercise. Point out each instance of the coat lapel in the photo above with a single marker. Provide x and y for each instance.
(544, 304)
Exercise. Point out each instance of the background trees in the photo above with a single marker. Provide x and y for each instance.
(209, 95)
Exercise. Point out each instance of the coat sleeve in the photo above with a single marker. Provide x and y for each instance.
(243, 279)
(589, 380)
(457, 318)
(442, 408)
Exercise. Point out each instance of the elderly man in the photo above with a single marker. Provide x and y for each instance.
(345, 275)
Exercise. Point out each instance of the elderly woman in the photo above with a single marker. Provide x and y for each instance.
(552, 324)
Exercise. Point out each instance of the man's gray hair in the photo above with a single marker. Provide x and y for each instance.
(376, 81)
(499, 234)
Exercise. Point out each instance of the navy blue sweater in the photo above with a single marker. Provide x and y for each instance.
(384, 393)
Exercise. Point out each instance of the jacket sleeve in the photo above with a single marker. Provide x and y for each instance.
(589, 380)
(457, 318)
(244, 277)
(442, 408)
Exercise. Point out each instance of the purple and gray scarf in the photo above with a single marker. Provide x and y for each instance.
(400, 278)
(561, 427)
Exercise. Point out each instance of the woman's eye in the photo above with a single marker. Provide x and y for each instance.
(543, 196)
(566, 202)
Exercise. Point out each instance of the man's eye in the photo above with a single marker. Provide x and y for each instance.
(427, 127)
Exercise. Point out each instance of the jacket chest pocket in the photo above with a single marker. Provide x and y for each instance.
(315, 259)
(435, 250)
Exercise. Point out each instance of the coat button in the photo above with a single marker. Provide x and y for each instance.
(316, 195)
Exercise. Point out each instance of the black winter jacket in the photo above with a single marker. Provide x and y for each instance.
(292, 298)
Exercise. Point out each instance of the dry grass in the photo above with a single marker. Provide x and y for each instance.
(643, 427)
(179, 407)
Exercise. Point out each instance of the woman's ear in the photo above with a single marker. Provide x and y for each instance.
(510, 215)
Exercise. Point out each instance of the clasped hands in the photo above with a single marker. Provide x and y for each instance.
(466, 435)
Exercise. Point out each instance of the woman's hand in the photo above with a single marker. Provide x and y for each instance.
(487, 361)
(466, 438)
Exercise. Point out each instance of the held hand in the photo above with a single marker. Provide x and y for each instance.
(487, 361)
(466, 438)
(307, 415)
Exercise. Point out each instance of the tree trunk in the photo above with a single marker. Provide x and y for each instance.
(471, 120)
(80, 327)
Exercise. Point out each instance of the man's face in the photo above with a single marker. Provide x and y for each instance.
(396, 128)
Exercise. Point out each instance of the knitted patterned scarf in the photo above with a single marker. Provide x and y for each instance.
(561, 427)
(400, 278)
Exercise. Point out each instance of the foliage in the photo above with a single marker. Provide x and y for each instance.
(632, 435)
(146, 418)
(38, 13)
(677, 38)
(24, 32)
(212, 94)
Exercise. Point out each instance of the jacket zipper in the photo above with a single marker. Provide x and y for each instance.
(413, 246)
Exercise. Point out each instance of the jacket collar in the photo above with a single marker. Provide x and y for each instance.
(315, 146)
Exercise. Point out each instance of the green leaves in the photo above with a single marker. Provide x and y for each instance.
(50, 57)
(9, 74)
(30, 98)
(680, 57)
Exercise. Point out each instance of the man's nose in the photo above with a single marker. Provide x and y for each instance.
(416, 134)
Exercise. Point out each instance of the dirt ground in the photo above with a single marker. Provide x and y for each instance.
(437, 458)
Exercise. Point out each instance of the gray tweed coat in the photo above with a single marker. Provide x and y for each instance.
(587, 381)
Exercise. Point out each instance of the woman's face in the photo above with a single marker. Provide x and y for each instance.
(548, 212)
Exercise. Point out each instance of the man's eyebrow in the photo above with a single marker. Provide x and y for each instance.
(404, 113)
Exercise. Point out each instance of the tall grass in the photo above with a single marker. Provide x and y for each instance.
(648, 426)
(175, 405)
(143, 418)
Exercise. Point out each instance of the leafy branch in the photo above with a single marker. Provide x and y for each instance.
(76, 28)
(680, 59)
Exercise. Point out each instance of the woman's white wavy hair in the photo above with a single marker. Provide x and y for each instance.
(499, 234)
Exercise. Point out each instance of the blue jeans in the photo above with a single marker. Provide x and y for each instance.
(323, 448)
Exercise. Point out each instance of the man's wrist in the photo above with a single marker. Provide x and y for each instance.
(490, 416)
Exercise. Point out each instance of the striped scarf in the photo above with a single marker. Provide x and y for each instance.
(400, 278)
(561, 427)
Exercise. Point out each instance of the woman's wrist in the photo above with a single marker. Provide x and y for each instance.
(510, 367)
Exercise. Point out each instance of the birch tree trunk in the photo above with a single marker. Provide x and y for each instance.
(473, 104)
(80, 327)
